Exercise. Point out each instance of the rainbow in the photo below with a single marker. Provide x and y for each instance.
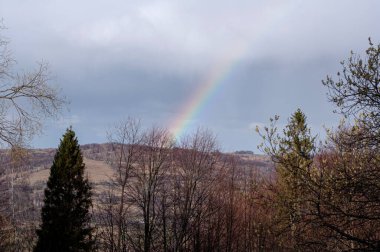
(206, 88)
(269, 17)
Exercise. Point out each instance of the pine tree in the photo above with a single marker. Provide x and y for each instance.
(296, 151)
(65, 214)
(293, 153)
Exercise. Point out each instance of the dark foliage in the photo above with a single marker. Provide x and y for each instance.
(65, 214)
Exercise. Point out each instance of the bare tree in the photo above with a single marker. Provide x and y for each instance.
(130, 212)
(349, 165)
(25, 100)
(126, 139)
(347, 203)
(196, 171)
(355, 92)
(147, 186)
(184, 197)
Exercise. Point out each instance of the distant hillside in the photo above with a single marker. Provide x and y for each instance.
(37, 159)
(35, 164)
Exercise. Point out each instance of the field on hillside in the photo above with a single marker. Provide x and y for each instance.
(36, 164)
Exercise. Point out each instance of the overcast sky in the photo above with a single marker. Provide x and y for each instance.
(120, 58)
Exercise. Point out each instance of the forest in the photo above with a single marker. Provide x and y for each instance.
(168, 194)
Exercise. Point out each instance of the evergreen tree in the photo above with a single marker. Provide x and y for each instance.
(65, 214)
(295, 159)
(293, 153)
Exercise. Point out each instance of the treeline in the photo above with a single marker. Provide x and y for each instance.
(180, 197)
(163, 196)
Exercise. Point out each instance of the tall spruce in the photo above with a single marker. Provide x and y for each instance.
(65, 215)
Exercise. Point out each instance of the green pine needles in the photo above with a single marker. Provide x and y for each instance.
(65, 215)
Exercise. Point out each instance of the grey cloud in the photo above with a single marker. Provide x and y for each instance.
(145, 58)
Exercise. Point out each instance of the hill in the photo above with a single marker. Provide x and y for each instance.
(34, 166)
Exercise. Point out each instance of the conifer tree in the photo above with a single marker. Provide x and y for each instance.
(65, 214)
(294, 164)
(293, 153)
